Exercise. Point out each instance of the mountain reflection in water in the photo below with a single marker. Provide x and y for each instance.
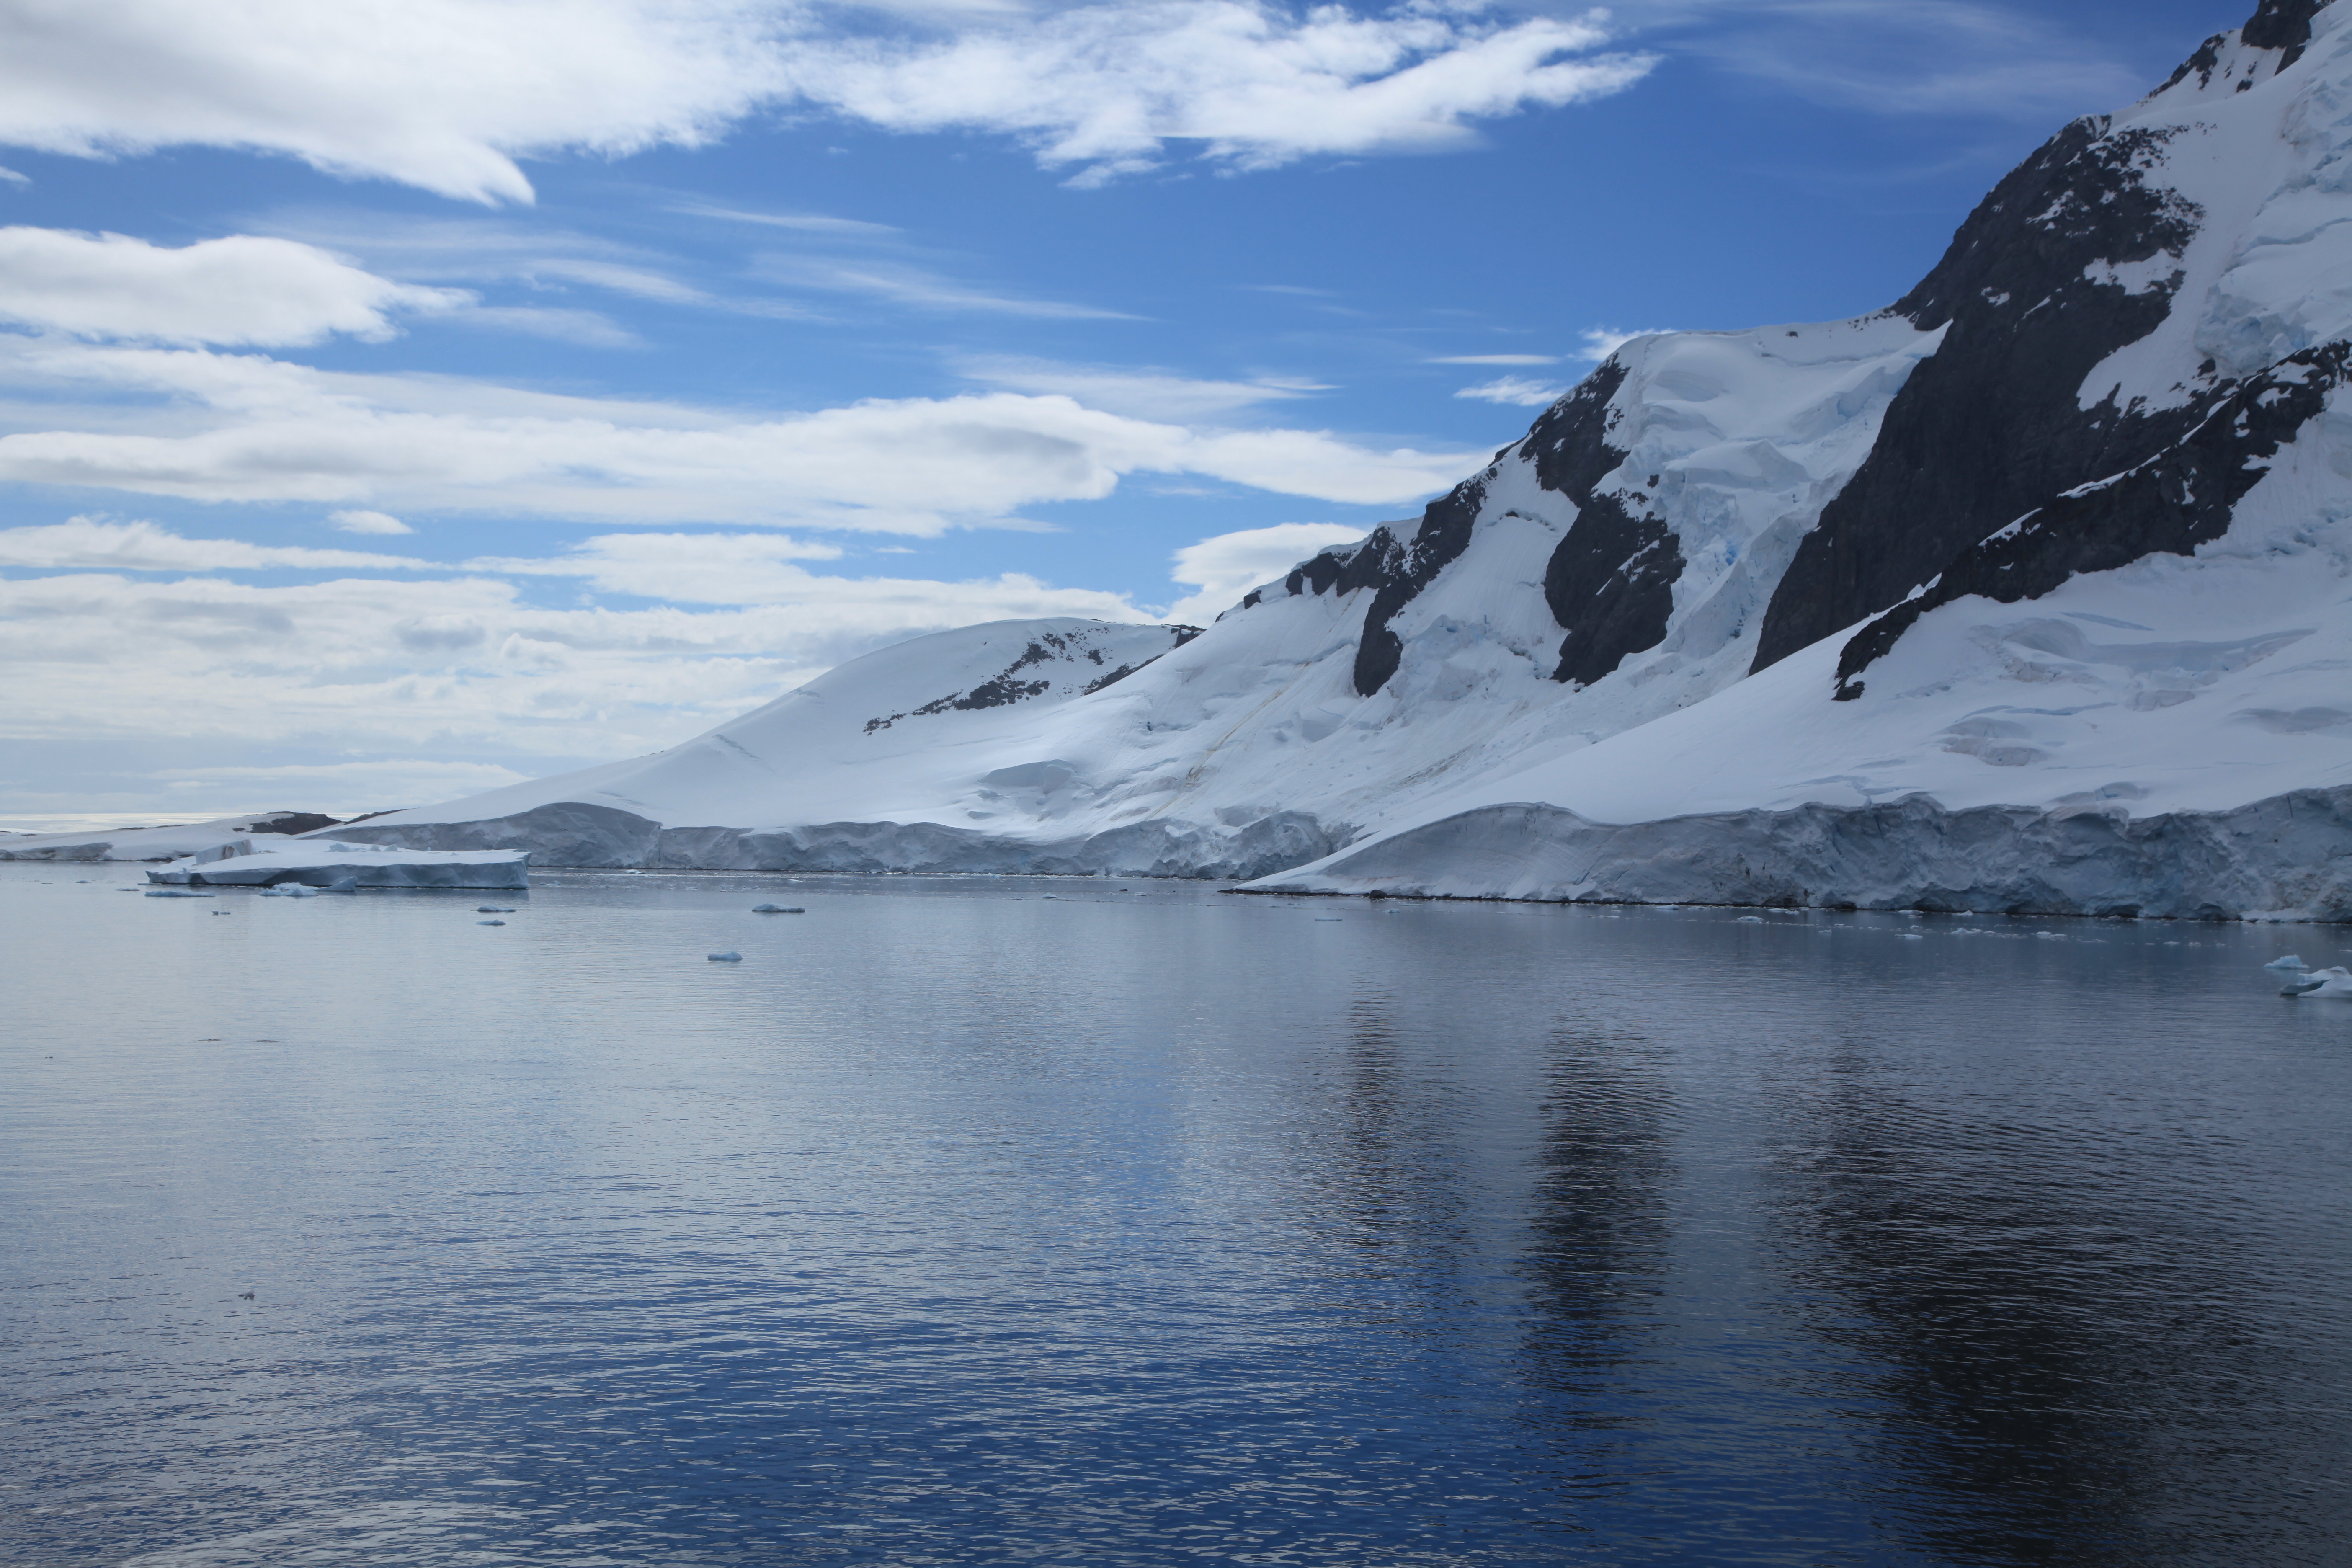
(957, 1225)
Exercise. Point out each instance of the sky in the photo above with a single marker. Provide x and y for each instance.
(400, 398)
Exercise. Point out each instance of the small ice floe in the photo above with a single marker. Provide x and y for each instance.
(1914, 936)
(1752, 919)
(2336, 981)
(724, 957)
(290, 891)
(174, 893)
(494, 909)
(777, 910)
(489, 923)
(2290, 962)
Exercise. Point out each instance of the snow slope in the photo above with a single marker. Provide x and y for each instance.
(2033, 590)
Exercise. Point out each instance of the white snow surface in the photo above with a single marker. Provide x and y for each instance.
(325, 863)
(1749, 434)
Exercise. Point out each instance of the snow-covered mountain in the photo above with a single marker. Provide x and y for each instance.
(2032, 591)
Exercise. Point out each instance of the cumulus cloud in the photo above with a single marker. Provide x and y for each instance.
(242, 289)
(94, 543)
(439, 93)
(1110, 87)
(356, 519)
(1228, 565)
(447, 94)
(267, 430)
(1516, 391)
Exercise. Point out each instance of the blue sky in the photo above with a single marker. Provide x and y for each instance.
(396, 400)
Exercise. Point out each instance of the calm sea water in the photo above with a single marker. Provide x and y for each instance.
(1098, 1224)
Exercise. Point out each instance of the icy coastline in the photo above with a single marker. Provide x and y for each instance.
(577, 833)
(2286, 858)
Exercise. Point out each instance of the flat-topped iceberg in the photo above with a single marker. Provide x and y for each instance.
(327, 863)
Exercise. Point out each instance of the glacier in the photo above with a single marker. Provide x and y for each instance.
(2032, 592)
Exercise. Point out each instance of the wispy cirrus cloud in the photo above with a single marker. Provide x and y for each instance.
(901, 284)
(1968, 59)
(1143, 393)
(1515, 392)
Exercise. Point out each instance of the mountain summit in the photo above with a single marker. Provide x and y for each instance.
(2033, 590)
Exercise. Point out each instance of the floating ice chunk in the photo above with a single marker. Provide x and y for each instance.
(1750, 919)
(290, 891)
(489, 923)
(777, 910)
(1914, 936)
(343, 867)
(2336, 981)
(724, 957)
(2290, 962)
(174, 893)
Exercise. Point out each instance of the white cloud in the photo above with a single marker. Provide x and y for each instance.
(1146, 395)
(96, 544)
(1228, 565)
(1497, 359)
(244, 427)
(359, 520)
(1111, 86)
(904, 285)
(447, 94)
(1516, 391)
(241, 290)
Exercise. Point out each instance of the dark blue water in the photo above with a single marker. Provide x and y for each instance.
(963, 1224)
